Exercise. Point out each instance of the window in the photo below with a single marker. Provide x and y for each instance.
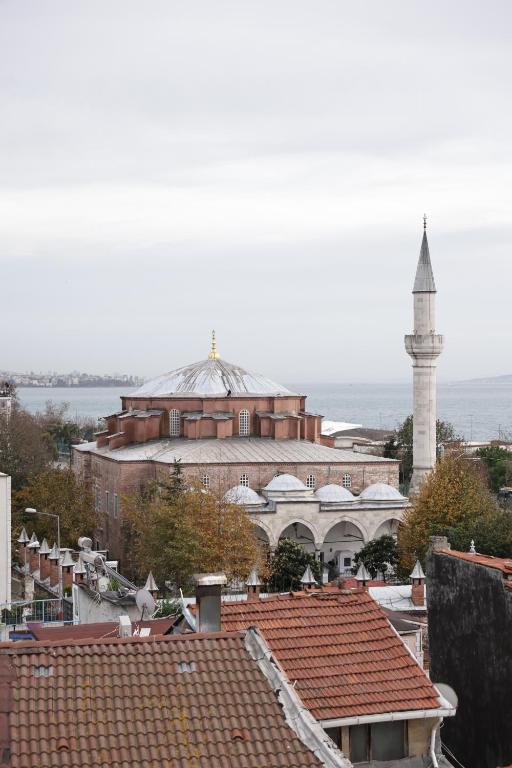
(347, 562)
(311, 481)
(206, 482)
(174, 423)
(244, 480)
(379, 741)
(107, 495)
(243, 423)
(335, 735)
(347, 481)
(97, 497)
(116, 505)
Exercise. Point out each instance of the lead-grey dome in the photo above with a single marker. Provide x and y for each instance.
(333, 493)
(242, 494)
(381, 492)
(285, 482)
(210, 378)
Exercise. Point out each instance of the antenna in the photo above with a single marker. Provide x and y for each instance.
(145, 603)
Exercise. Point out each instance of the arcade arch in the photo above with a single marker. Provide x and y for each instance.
(300, 533)
(341, 543)
(387, 528)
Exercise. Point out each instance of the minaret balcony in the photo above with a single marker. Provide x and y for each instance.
(427, 346)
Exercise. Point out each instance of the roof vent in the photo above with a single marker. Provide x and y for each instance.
(43, 670)
(186, 666)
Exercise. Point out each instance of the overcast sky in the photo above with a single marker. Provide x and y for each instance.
(260, 168)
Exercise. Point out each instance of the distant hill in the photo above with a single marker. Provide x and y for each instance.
(494, 381)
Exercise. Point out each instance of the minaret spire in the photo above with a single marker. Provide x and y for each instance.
(424, 346)
(213, 354)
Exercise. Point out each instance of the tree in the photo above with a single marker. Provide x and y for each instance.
(176, 533)
(403, 444)
(499, 465)
(25, 448)
(377, 554)
(288, 563)
(59, 492)
(453, 500)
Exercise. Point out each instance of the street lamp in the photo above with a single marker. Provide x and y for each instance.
(32, 511)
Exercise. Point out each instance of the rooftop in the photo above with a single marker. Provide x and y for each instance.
(239, 450)
(503, 564)
(201, 700)
(343, 655)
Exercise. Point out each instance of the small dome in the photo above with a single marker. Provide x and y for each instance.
(285, 483)
(334, 492)
(241, 494)
(381, 492)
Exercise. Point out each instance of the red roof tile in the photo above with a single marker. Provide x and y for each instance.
(341, 650)
(175, 701)
(97, 630)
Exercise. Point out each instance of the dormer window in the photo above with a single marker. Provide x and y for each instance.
(243, 423)
(174, 423)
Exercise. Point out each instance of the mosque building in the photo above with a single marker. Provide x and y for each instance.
(243, 435)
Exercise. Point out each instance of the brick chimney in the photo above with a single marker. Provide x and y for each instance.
(23, 541)
(33, 554)
(308, 580)
(253, 585)
(362, 578)
(151, 585)
(417, 578)
(208, 598)
(44, 563)
(54, 558)
(67, 566)
(79, 571)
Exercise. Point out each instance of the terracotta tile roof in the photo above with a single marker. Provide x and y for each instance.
(503, 564)
(343, 653)
(195, 701)
(97, 630)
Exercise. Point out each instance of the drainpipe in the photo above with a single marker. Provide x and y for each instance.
(433, 743)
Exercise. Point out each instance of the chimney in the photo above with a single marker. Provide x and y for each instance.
(253, 585)
(23, 540)
(54, 558)
(125, 626)
(438, 542)
(44, 563)
(208, 589)
(417, 578)
(151, 585)
(67, 566)
(79, 571)
(308, 581)
(33, 554)
(362, 578)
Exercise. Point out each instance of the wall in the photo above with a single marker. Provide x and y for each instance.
(470, 637)
(5, 538)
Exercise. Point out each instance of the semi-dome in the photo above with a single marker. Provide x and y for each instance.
(241, 494)
(333, 492)
(210, 378)
(381, 492)
(285, 482)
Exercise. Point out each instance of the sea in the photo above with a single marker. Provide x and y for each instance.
(479, 410)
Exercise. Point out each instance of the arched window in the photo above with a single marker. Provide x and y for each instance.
(243, 423)
(174, 423)
(244, 480)
(311, 481)
(206, 482)
(347, 480)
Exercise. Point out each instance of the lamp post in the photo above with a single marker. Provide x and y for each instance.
(32, 511)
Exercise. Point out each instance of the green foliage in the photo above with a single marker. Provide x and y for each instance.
(402, 445)
(377, 554)
(287, 566)
(167, 608)
(25, 448)
(499, 465)
(453, 501)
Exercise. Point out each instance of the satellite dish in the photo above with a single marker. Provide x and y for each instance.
(145, 603)
(448, 693)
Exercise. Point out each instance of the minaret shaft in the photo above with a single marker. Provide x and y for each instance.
(424, 347)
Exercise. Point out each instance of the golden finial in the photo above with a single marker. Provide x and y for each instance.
(213, 355)
(424, 222)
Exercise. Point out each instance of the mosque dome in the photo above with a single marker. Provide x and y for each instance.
(210, 378)
(241, 494)
(381, 492)
(285, 483)
(333, 492)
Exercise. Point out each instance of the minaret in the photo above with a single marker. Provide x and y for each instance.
(424, 346)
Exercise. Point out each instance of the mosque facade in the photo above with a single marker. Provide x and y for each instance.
(227, 427)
